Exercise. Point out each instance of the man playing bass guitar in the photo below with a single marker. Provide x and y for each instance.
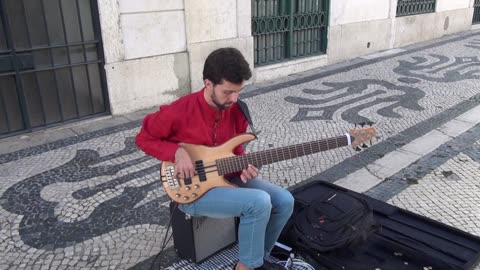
(211, 117)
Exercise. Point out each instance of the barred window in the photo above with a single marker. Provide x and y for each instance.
(288, 29)
(476, 12)
(414, 7)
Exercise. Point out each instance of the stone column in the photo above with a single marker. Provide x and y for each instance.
(145, 48)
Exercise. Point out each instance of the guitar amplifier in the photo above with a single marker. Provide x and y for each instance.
(198, 238)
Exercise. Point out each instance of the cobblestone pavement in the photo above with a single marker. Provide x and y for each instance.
(93, 201)
(443, 185)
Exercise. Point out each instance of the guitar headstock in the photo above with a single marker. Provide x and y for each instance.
(362, 136)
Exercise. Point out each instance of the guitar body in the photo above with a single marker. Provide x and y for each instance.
(182, 192)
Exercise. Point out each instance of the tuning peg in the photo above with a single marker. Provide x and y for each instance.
(362, 124)
(365, 146)
(358, 149)
(370, 123)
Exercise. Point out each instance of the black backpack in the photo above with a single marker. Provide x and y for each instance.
(332, 220)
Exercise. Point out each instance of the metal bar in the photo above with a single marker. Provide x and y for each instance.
(283, 34)
(69, 58)
(35, 74)
(309, 26)
(4, 105)
(305, 36)
(289, 40)
(310, 41)
(476, 12)
(53, 125)
(100, 54)
(265, 48)
(257, 49)
(59, 46)
(10, 44)
(274, 37)
(324, 32)
(315, 43)
(42, 3)
(257, 39)
(85, 56)
(313, 11)
(52, 68)
(268, 47)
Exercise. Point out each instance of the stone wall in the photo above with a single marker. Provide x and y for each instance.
(145, 52)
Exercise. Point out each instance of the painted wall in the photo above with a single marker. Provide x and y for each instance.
(352, 11)
(444, 5)
(415, 29)
(147, 82)
(351, 40)
(145, 52)
(153, 33)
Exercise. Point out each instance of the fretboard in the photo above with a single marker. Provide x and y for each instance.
(257, 159)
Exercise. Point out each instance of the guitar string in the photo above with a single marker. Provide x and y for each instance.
(223, 165)
(233, 163)
(288, 149)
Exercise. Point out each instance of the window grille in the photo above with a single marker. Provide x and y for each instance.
(414, 7)
(476, 12)
(288, 29)
(51, 64)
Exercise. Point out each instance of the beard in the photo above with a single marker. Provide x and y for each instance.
(221, 106)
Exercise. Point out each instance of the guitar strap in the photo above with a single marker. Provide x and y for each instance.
(244, 108)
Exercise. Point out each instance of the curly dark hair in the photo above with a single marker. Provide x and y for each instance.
(226, 64)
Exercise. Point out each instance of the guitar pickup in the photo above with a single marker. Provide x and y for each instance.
(188, 181)
(200, 170)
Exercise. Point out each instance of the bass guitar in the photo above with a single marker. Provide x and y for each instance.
(212, 163)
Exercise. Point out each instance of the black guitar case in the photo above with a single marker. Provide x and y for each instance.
(405, 241)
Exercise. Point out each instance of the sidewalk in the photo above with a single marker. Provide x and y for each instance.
(84, 197)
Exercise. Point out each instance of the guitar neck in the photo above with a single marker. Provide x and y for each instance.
(238, 163)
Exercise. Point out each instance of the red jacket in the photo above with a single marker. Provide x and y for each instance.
(189, 120)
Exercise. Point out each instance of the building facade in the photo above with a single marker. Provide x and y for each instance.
(64, 60)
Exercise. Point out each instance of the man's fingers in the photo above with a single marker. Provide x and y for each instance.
(180, 174)
(252, 171)
(255, 171)
(183, 173)
(190, 173)
(243, 178)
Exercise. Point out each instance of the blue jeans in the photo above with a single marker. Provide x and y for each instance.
(263, 208)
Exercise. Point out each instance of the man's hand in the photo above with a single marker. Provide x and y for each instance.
(249, 173)
(183, 164)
